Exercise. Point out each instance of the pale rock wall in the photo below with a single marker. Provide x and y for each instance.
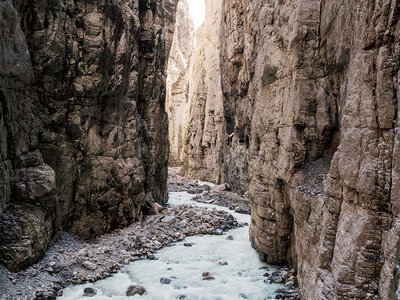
(83, 127)
(310, 95)
(205, 129)
(178, 80)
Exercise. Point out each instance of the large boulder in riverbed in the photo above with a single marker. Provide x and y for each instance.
(89, 292)
(135, 290)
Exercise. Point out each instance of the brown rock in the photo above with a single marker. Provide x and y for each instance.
(83, 130)
(307, 123)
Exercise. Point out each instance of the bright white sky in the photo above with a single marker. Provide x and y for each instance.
(198, 12)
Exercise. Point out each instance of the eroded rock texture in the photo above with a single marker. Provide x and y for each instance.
(310, 95)
(178, 80)
(83, 126)
(205, 128)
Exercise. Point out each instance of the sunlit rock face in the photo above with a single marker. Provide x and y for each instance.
(205, 127)
(178, 80)
(310, 90)
(83, 128)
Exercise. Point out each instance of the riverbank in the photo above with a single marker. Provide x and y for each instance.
(74, 261)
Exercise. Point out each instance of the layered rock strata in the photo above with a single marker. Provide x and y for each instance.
(83, 126)
(310, 93)
(178, 80)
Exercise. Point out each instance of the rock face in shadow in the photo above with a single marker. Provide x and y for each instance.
(178, 80)
(83, 127)
(310, 92)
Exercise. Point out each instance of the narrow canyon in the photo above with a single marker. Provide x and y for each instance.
(262, 147)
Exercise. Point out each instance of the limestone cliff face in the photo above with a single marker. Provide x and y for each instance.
(205, 128)
(82, 119)
(178, 80)
(310, 93)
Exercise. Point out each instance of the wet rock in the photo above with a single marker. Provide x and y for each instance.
(289, 284)
(165, 280)
(89, 292)
(207, 276)
(218, 232)
(229, 237)
(135, 290)
(188, 244)
(274, 278)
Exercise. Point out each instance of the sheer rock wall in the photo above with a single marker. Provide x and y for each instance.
(310, 95)
(178, 80)
(205, 126)
(83, 126)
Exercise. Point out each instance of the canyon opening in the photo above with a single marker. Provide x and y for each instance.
(190, 149)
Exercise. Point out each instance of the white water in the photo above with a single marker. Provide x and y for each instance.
(242, 276)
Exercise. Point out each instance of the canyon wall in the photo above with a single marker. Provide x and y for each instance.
(204, 126)
(310, 129)
(178, 80)
(83, 126)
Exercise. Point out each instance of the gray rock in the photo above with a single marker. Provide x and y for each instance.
(89, 265)
(165, 280)
(77, 141)
(135, 290)
(169, 219)
(89, 292)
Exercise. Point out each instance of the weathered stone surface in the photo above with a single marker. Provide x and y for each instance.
(205, 129)
(310, 90)
(135, 290)
(178, 80)
(83, 128)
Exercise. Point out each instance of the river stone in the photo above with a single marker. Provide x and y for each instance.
(207, 276)
(135, 290)
(165, 280)
(89, 292)
(169, 219)
(89, 265)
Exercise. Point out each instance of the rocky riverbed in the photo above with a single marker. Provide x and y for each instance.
(74, 261)
(205, 193)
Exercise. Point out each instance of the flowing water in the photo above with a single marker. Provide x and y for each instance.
(241, 278)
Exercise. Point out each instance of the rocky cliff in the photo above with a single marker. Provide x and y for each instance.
(82, 119)
(309, 113)
(204, 127)
(178, 80)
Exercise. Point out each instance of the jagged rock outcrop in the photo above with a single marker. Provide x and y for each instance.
(83, 126)
(178, 80)
(205, 127)
(310, 114)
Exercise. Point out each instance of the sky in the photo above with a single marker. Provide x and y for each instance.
(198, 12)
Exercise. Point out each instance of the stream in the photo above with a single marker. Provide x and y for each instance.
(241, 278)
